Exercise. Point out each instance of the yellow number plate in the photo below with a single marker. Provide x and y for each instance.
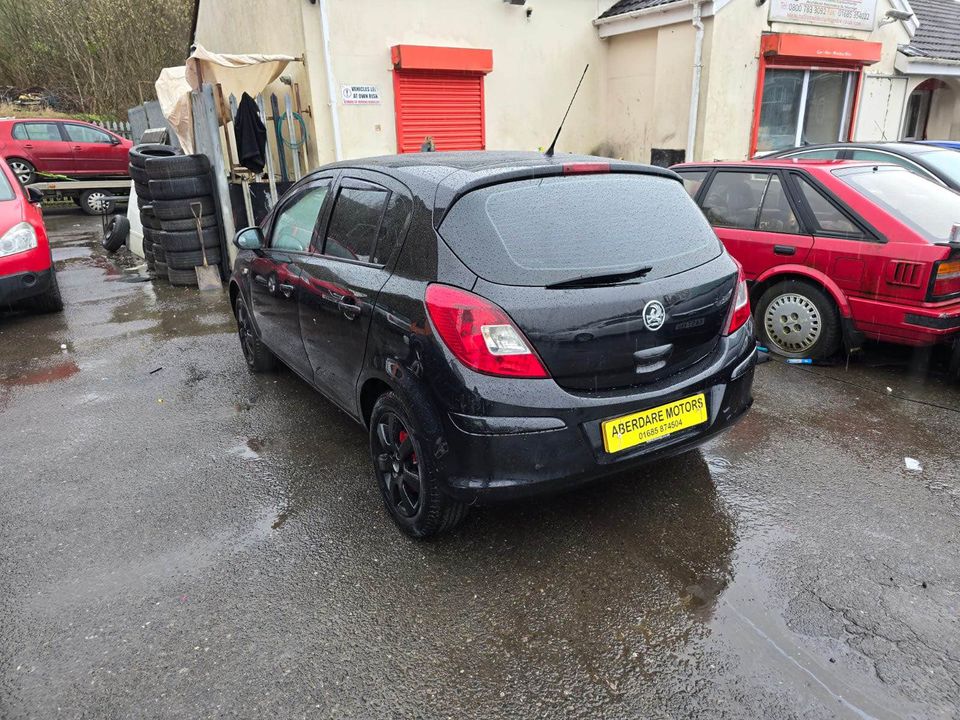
(641, 427)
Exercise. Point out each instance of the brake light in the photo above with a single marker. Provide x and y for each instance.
(740, 310)
(581, 168)
(480, 334)
(946, 278)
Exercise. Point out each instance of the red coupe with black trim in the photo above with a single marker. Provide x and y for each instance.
(837, 251)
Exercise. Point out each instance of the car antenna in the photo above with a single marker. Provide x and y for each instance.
(549, 152)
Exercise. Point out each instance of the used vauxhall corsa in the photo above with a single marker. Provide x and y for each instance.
(502, 324)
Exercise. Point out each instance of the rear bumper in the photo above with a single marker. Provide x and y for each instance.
(21, 286)
(925, 324)
(494, 458)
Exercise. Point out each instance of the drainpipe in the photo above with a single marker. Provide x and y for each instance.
(695, 90)
(331, 82)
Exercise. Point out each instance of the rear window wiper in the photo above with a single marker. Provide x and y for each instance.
(599, 280)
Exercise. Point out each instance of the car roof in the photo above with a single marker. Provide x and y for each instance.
(446, 176)
(817, 165)
(897, 147)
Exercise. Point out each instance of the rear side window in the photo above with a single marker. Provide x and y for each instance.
(37, 131)
(930, 209)
(356, 221)
(828, 219)
(776, 215)
(733, 199)
(556, 229)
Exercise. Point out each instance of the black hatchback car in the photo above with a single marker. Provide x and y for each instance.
(502, 324)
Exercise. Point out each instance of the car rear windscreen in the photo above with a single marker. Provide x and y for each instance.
(551, 230)
(930, 209)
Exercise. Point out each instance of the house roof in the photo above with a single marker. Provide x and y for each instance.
(938, 35)
(628, 6)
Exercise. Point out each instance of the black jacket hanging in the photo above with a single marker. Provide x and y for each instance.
(251, 135)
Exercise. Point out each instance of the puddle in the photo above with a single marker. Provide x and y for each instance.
(55, 373)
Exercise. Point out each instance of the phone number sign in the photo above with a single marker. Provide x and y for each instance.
(853, 14)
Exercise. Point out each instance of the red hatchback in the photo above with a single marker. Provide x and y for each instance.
(26, 264)
(61, 147)
(837, 251)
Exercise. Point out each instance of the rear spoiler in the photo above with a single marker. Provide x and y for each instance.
(459, 183)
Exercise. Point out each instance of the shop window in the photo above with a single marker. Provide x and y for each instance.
(918, 110)
(804, 107)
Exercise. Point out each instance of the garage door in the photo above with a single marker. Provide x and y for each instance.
(446, 106)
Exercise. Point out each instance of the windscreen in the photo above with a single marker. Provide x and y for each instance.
(6, 190)
(930, 209)
(557, 229)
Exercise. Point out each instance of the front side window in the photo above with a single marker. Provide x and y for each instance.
(6, 189)
(293, 227)
(692, 180)
(776, 215)
(356, 221)
(37, 131)
(85, 134)
(733, 199)
(804, 107)
(828, 219)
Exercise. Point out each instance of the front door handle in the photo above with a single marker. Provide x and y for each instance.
(350, 310)
(784, 250)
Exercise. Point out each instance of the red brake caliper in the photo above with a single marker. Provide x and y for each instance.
(403, 437)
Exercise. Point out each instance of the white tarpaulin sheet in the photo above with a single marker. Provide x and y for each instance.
(236, 74)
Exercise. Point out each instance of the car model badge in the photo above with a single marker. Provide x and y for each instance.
(654, 315)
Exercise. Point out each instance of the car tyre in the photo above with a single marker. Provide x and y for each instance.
(50, 300)
(24, 170)
(139, 154)
(116, 234)
(97, 202)
(258, 356)
(409, 478)
(179, 188)
(178, 166)
(181, 209)
(189, 259)
(796, 319)
(187, 240)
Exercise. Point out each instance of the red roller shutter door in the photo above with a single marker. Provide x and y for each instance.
(448, 106)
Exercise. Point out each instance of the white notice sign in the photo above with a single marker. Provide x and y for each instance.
(360, 95)
(853, 14)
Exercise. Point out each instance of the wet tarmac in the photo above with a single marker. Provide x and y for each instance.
(179, 538)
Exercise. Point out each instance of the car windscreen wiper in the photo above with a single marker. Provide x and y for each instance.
(600, 280)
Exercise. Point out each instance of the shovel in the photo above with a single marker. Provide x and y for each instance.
(208, 276)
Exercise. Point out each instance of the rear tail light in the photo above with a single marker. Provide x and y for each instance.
(946, 279)
(740, 310)
(580, 168)
(480, 334)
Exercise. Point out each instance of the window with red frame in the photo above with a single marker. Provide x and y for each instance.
(805, 106)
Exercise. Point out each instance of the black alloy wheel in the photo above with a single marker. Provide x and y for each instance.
(397, 466)
(258, 356)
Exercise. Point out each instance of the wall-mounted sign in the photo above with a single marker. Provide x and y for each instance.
(853, 14)
(360, 95)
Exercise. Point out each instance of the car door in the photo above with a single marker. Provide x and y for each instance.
(44, 146)
(342, 278)
(755, 219)
(275, 283)
(94, 150)
(844, 248)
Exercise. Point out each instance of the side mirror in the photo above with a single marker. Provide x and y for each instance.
(34, 196)
(250, 238)
(114, 141)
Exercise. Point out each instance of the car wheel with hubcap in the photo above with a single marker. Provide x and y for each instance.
(407, 477)
(798, 320)
(97, 202)
(24, 170)
(258, 356)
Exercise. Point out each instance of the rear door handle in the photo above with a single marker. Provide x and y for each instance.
(350, 310)
(287, 289)
(28, 145)
(784, 250)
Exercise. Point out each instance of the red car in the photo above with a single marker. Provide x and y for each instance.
(61, 147)
(26, 264)
(836, 252)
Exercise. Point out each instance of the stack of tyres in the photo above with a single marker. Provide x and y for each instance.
(182, 191)
(139, 154)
